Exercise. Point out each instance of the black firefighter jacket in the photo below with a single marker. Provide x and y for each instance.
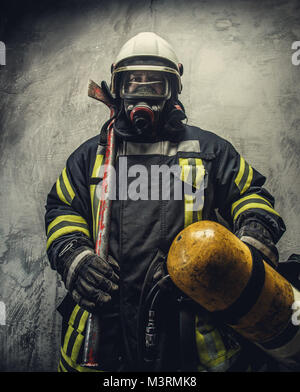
(153, 201)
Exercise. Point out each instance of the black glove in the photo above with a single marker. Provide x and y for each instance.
(90, 280)
(256, 235)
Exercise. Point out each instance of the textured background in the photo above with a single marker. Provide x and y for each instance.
(239, 82)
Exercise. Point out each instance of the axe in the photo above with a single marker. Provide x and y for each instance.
(93, 326)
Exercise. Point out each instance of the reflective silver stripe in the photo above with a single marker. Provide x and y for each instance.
(73, 266)
(261, 247)
(162, 148)
(290, 352)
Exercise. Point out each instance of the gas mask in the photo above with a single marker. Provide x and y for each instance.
(147, 105)
(144, 94)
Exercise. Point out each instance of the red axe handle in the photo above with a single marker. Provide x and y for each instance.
(93, 328)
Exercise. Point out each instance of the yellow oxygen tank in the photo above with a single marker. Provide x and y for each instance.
(217, 270)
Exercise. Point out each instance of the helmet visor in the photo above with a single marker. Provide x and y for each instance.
(144, 84)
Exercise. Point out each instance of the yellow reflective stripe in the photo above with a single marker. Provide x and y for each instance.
(209, 337)
(66, 218)
(202, 349)
(61, 368)
(70, 328)
(221, 355)
(249, 179)
(73, 315)
(64, 190)
(199, 173)
(66, 230)
(211, 348)
(241, 172)
(245, 198)
(67, 337)
(82, 322)
(218, 342)
(92, 193)
(59, 192)
(76, 219)
(75, 366)
(67, 184)
(189, 200)
(80, 337)
(188, 209)
(199, 215)
(95, 173)
(244, 183)
(98, 162)
(76, 347)
(97, 221)
(255, 205)
(185, 168)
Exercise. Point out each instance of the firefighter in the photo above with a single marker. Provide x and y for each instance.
(213, 182)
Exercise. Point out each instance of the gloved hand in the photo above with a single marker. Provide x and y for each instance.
(90, 280)
(256, 235)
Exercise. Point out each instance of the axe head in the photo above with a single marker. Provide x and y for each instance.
(101, 94)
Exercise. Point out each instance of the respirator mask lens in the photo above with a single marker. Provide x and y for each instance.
(144, 84)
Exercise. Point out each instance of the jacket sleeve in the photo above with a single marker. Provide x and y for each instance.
(241, 195)
(67, 207)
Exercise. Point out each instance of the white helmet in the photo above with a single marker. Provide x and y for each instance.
(146, 52)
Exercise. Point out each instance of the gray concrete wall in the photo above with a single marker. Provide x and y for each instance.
(239, 82)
